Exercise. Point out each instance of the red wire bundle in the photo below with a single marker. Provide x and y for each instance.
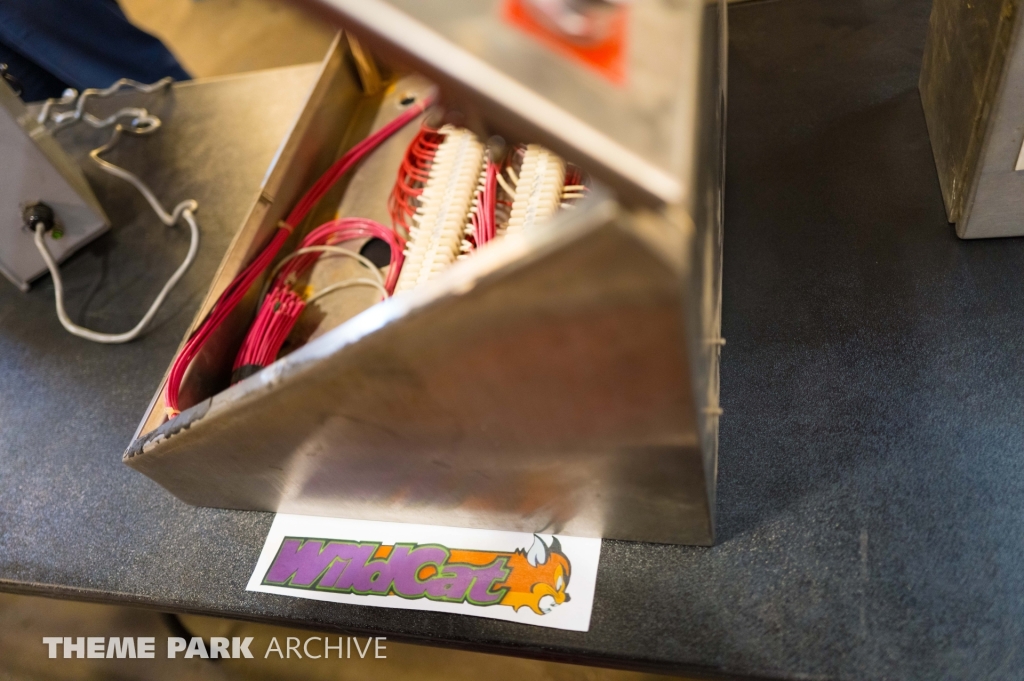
(412, 176)
(275, 320)
(573, 176)
(484, 224)
(277, 316)
(237, 289)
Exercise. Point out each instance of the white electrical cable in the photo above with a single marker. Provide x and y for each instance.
(95, 336)
(79, 114)
(337, 250)
(505, 185)
(142, 123)
(348, 283)
(117, 171)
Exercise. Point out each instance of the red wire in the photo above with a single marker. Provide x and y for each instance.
(483, 220)
(276, 317)
(573, 176)
(413, 174)
(273, 324)
(347, 229)
(237, 289)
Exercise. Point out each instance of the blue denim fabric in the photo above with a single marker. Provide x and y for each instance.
(53, 44)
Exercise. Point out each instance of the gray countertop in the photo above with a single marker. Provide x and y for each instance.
(871, 491)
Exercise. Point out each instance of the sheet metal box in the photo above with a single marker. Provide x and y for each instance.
(562, 382)
(972, 88)
(33, 167)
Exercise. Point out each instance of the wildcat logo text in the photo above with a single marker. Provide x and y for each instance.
(536, 578)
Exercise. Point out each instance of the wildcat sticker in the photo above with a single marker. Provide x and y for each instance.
(537, 579)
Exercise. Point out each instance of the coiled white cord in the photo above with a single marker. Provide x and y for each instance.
(59, 120)
(142, 123)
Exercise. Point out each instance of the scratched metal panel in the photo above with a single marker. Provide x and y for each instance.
(996, 206)
(564, 381)
(541, 385)
(33, 167)
(634, 135)
(970, 106)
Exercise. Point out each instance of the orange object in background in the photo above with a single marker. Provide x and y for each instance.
(596, 39)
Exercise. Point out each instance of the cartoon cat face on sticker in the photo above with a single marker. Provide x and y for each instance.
(538, 577)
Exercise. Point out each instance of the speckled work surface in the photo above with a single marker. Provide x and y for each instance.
(871, 492)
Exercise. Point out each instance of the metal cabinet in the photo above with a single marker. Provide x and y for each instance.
(561, 382)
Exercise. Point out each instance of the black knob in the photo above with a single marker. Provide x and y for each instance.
(36, 213)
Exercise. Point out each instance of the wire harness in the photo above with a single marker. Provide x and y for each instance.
(283, 305)
(483, 225)
(448, 199)
(240, 285)
(413, 174)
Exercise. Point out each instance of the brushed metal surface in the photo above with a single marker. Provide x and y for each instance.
(996, 206)
(972, 89)
(539, 387)
(564, 382)
(33, 167)
(637, 137)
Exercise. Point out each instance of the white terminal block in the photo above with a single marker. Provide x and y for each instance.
(538, 190)
(439, 224)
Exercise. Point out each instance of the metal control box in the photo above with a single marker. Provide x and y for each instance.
(34, 168)
(972, 88)
(565, 381)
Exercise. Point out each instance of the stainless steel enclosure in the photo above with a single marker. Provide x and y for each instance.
(972, 88)
(564, 382)
(34, 168)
